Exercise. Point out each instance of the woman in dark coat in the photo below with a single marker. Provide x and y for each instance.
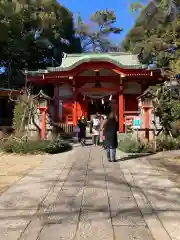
(82, 130)
(110, 134)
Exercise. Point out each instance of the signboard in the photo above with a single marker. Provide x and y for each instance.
(136, 123)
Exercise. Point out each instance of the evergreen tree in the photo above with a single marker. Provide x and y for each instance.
(95, 36)
(33, 35)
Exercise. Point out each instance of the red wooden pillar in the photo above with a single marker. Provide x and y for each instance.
(74, 112)
(78, 109)
(43, 124)
(146, 122)
(121, 112)
(74, 105)
(56, 103)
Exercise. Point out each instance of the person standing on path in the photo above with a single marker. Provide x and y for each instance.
(110, 134)
(95, 130)
(82, 123)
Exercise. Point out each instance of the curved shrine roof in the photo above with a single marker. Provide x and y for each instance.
(123, 60)
(70, 61)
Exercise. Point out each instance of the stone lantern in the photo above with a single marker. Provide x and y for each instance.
(43, 103)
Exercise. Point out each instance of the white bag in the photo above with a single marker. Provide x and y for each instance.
(96, 122)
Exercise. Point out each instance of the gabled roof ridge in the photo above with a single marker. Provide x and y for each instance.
(91, 54)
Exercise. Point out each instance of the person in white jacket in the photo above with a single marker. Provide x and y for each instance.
(96, 130)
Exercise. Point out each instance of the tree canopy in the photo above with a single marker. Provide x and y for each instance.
(156, 38)
(94, 36)
(155, 35)
(33, 35)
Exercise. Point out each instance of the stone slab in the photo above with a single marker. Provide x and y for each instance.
(13, 223)
(132, 232)
(58, 232)
(171, 222)
(93, 231)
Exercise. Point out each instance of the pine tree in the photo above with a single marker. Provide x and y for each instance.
(95, 36)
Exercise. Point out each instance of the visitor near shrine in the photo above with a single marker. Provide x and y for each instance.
(96, 130)
(82, 130)
(110, 133)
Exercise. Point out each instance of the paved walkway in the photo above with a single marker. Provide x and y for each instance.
(79, 195)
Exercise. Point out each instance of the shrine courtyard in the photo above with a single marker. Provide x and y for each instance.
(79, 195)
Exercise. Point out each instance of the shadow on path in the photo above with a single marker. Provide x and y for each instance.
(135, 156)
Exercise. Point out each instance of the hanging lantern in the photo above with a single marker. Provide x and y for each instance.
(110, 98)
(102, 101)
(91, 101)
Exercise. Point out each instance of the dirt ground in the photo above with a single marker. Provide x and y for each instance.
(15, 167)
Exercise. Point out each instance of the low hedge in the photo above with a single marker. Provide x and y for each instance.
(35, 147)
(168, 143)
(128, 144)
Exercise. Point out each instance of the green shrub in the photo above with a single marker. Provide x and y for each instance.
(35, 147)
(131, 145)
(18, 113)
(168, 143)
(58, 146)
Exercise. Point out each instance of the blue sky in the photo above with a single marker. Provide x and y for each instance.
(125, 20)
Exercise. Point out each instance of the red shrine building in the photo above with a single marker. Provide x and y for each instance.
(92, 82)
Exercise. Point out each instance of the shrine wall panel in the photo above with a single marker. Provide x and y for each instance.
(65, 91)
(132, 88)
(131, 102)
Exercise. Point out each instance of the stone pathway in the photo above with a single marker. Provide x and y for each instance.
(78, 195)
